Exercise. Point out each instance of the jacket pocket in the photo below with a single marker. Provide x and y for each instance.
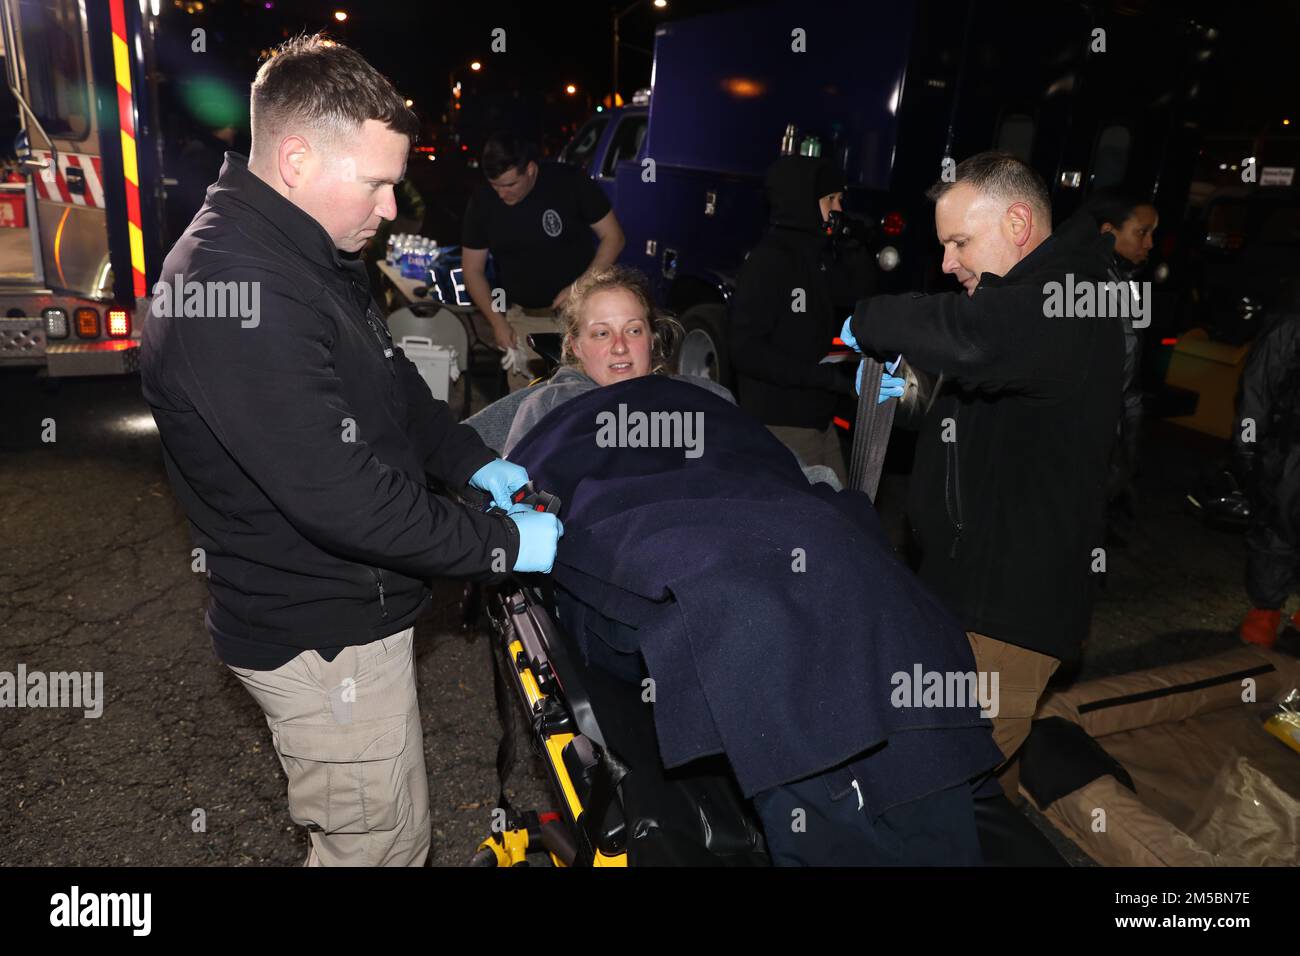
(345, 779)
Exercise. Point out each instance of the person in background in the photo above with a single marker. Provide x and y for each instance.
(1266, 443)
(785, 315)
(1132, 223)
(538, 221)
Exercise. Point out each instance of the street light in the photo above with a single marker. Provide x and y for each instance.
(618, 15)
(570, 89)
(340, 15)
(476, 66)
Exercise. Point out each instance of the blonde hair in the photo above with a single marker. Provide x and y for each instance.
(665, 331)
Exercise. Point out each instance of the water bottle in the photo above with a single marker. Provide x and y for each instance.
(788, 140)
(414, 266)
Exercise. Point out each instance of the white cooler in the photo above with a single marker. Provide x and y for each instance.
(436, 363)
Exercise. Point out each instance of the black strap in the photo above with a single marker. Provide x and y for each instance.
(506, 748)
(604, 786)
(871, 432)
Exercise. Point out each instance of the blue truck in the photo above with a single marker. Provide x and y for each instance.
(1083, 91)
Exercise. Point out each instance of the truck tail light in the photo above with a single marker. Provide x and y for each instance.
(87, 321)
(56, 322)
(119, 323)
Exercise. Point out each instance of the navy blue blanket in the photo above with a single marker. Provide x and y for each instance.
(772, 614)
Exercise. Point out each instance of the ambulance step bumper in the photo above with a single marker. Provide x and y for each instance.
(115, 357)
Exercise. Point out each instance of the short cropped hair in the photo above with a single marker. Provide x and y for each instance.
(1113, 206)
(505, 151)
(1002, 175)
(665, 331)
(313, 82)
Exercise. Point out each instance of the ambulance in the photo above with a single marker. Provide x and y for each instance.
(81, 201)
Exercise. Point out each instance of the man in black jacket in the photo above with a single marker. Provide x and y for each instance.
(1007, 489)
(300, 441)
(785, 317)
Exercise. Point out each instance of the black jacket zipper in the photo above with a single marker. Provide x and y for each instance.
(384, 339)
(952, 487)
(379, 581)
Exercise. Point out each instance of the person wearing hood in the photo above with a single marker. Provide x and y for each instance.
(1132, 223)
(785, 318)
(1006, 497)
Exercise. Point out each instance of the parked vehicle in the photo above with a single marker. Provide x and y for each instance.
(891, 93)
(80, 247)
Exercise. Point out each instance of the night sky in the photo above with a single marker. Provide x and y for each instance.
(420, 45)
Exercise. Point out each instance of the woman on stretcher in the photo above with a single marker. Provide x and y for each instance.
(763, 617)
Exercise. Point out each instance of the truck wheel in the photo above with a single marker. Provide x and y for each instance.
(703, 349)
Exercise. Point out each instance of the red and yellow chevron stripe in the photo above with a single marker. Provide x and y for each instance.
(130, 164)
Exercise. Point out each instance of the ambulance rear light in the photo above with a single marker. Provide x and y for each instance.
(87, 322)
(56, 322)
(119, 323)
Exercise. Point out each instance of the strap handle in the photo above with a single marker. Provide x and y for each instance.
(871, 433)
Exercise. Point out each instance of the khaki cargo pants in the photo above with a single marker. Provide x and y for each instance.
(1022, 677)
(348, 735)
(524, 322)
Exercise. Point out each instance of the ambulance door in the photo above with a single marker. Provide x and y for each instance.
(49, 72)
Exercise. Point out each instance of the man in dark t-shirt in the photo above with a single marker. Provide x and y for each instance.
(537, 220)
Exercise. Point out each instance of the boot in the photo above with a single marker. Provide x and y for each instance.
(1260, 627)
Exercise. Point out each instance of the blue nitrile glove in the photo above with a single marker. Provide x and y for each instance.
(500, 479)
(846, 335)
(890, 386)
(539, 533)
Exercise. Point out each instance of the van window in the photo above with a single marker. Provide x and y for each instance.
(1016, 136)
(1111, 160)
(583, 145)
(625, 144)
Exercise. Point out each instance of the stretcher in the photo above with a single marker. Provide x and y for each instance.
(616, 805)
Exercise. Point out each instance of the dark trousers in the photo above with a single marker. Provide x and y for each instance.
(1272, 567)
(806, 826)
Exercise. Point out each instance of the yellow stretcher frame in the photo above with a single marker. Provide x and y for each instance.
(526, 833)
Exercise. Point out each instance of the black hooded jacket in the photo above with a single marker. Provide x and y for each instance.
(1008, 485)
(300, 440)
(774, 348)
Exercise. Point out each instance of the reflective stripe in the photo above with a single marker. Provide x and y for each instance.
(130, 166)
